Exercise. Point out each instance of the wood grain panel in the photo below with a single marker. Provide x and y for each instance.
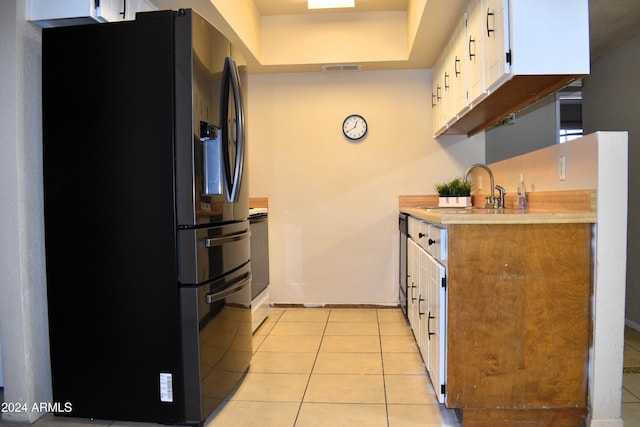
(519, 316)
(524, 418)
(417, 201)
(259, 202)
(512, 96)
(568, 200)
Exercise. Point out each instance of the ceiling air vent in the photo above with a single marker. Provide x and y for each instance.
(341, 67)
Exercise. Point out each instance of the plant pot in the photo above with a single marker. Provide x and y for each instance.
(455, 202)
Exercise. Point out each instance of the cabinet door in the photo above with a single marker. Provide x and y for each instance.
(496, 41)
(447, 84)
(413, 260)
(423, 306)
(459, 76)
(474, 47)
(112, 10)
(436, 96)
(436, 325)
(51, 10)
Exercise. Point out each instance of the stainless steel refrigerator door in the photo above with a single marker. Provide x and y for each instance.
(200, 56)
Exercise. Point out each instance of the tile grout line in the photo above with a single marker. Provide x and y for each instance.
(384, 377)
(315, 360)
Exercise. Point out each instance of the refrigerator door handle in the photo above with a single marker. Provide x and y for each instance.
(210, 242)
(236, 287)
(231, 81)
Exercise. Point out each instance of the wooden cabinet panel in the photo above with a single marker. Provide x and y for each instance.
(519, 317)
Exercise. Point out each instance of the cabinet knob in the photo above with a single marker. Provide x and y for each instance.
(431, 242)
(421, 235)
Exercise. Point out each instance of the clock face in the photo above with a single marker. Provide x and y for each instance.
(354, 127)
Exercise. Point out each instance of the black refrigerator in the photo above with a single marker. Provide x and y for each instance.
(146, 206)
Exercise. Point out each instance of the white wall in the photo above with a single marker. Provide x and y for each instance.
(333, 204)
(535, 127)
(23, 301)
(610, 102)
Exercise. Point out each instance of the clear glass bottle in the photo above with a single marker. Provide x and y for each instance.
(522, 194)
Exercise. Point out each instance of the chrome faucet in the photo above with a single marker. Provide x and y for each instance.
(492, 200)
(499, 201)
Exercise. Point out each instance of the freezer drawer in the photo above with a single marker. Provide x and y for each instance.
(217, 340)
(208, 253)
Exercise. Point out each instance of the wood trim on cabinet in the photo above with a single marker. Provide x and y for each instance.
(511, 97)
(565, 201)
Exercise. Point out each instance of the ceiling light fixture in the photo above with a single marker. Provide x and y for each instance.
(330, 4)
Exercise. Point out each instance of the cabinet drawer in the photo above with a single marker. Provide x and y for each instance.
(436, 243)
(423, 235)
(414, 228)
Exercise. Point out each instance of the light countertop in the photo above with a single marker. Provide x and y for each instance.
(500, 216)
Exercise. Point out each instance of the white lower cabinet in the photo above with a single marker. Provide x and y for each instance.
(413, 291)
(427, 298)
(435, 320)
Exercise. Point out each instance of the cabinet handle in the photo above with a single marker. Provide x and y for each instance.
(433, 100)
(471, 55)
(446, 84)
(124, 9)
(489, 30)
(431, 242)
(438, 97)
(412, 288)
(455, 66)
(420, 313)
(421, 235)
(429, 333)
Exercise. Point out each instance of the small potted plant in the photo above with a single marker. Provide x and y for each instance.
(455, 194)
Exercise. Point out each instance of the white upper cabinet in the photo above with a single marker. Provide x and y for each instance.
(459, 77)
(475, 50)
(516, 52)
(448, 99)
(497, 58)
(437, 94)
(55, 13)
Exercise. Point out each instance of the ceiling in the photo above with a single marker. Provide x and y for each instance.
(296, 7)
(611, 23)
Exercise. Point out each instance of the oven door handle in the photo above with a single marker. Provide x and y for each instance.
(219, 241)
(235, 287)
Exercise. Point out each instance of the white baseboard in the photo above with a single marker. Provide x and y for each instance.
(632, 324)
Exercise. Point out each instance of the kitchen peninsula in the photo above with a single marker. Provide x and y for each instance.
(518, 313)
(529, 315)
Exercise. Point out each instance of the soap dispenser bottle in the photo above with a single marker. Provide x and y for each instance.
(522, 194)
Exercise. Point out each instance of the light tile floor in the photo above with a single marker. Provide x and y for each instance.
(631, 379)
(334, 367)
(344, 367)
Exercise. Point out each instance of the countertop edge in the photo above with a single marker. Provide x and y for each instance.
(509, 217)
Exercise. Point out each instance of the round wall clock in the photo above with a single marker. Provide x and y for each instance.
(354, 127)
